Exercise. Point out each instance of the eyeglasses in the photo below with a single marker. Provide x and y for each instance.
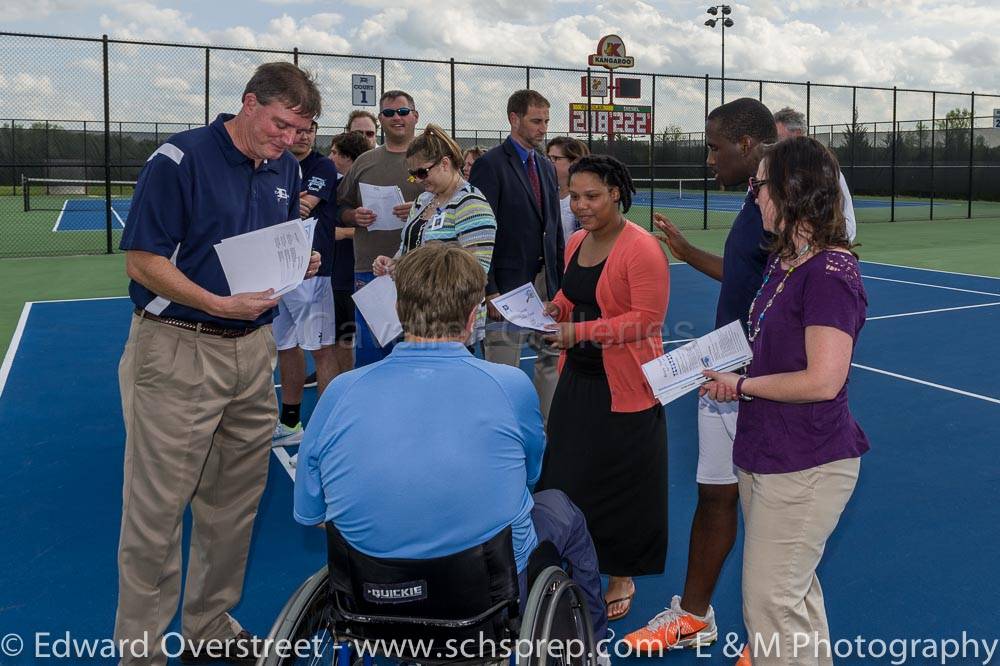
(423, 172)
(403, 111)
(755, 185)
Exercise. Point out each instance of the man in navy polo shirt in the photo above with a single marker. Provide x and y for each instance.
(195, 377)
(306, 314)
(734, 133)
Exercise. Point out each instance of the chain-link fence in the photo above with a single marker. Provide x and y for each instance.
(80, 116)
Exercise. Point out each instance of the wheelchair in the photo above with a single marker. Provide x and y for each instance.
(459, 609)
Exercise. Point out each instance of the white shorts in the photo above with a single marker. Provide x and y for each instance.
(716, 432)
(305, 316)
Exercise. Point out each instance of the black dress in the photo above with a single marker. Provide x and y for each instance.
(613, 465)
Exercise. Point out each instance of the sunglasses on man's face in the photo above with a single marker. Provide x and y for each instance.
(422, 172)
(403, 111)
(755, 185)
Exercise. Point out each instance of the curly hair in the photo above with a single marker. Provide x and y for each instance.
(803, 184)
(611, 172)
(350, 144)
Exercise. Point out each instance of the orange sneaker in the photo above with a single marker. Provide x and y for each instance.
(744, 659)
(673, 629)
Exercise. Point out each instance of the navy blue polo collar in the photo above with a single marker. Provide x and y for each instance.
(446, 349)
(233, 154)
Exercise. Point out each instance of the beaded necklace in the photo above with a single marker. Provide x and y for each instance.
(754, 330)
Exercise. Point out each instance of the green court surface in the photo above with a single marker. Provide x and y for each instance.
(965, 246)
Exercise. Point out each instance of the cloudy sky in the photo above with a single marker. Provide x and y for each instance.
(909, 43)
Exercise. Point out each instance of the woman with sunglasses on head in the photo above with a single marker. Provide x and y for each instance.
(565, 151)
(449, 210)
(797, 448)
(607, 434)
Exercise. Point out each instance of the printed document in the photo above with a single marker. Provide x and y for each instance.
(377, 303)
(679, 371)
(274, 257)
(523, 307)
(382, 199)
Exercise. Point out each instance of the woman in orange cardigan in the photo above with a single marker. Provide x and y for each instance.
(607, 434)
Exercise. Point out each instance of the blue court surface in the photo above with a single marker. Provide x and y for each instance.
(88, 214)
(914, 556)
(732, 201)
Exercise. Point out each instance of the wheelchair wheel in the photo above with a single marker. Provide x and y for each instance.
(557, 624)
(305, 618)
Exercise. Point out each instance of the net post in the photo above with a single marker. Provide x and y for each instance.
(972, 148)
(704, 167)
(107, 146)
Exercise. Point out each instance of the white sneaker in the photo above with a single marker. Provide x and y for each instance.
(285, 436)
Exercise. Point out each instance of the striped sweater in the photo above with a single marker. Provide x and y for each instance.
(466, 219)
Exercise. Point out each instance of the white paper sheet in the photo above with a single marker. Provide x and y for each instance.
(679, 371)
(274, 257)
(377, 303)
(382, 199)
(523, 307)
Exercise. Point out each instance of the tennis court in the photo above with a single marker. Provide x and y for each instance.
(913, 557)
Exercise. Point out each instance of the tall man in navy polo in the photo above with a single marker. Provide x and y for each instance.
(195, 377)
(734, 133)
(520, 183)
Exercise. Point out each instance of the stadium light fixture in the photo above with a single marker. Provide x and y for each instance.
(725, 11)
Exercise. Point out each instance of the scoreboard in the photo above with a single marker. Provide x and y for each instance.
(611, 118)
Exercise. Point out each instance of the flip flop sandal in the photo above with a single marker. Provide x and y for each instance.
(627, 600)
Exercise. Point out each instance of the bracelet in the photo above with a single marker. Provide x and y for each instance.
(739, 389)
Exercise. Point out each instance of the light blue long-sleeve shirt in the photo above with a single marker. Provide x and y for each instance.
(424, 454)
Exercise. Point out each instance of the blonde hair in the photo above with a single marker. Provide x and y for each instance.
(438, 285)
(434, 143)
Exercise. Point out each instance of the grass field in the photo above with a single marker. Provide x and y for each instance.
(967, 246)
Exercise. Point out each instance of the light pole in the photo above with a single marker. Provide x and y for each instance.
(724, 11)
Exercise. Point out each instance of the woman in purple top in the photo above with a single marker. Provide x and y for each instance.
(797, 448)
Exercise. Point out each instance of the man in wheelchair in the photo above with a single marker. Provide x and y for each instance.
(432, 451)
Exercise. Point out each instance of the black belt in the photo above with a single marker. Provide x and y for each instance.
(196, 326)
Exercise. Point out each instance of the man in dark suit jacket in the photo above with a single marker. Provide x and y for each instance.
(520, 184)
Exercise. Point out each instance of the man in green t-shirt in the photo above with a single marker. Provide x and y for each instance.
(383, 166)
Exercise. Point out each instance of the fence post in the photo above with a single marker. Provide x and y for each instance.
(590, 128)
(933, 123)
(527, 78)
(107, 145)
(295, 56)
(381, 92)
(652, 151)
(207, 51)
(760, 91)
(972, 147)
(48, 172)
(892, 166)
(453, 98)
(808, 107)
(704, 168)
(13, 154)
(854, 133)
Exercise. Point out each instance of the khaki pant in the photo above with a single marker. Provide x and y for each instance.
(503, 345)
(788, 519)
(199, 413)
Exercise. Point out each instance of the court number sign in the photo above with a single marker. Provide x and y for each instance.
(611, 118)
(363, 89)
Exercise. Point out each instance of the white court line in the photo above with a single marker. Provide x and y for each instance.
(76, 300)
(931, 270)
(15, 342)
(668, 342)
(286, 460)
(923, 312)
(935, 286)
(926, 383)
(61, 211)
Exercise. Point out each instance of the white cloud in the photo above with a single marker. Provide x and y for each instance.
(26, 84)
